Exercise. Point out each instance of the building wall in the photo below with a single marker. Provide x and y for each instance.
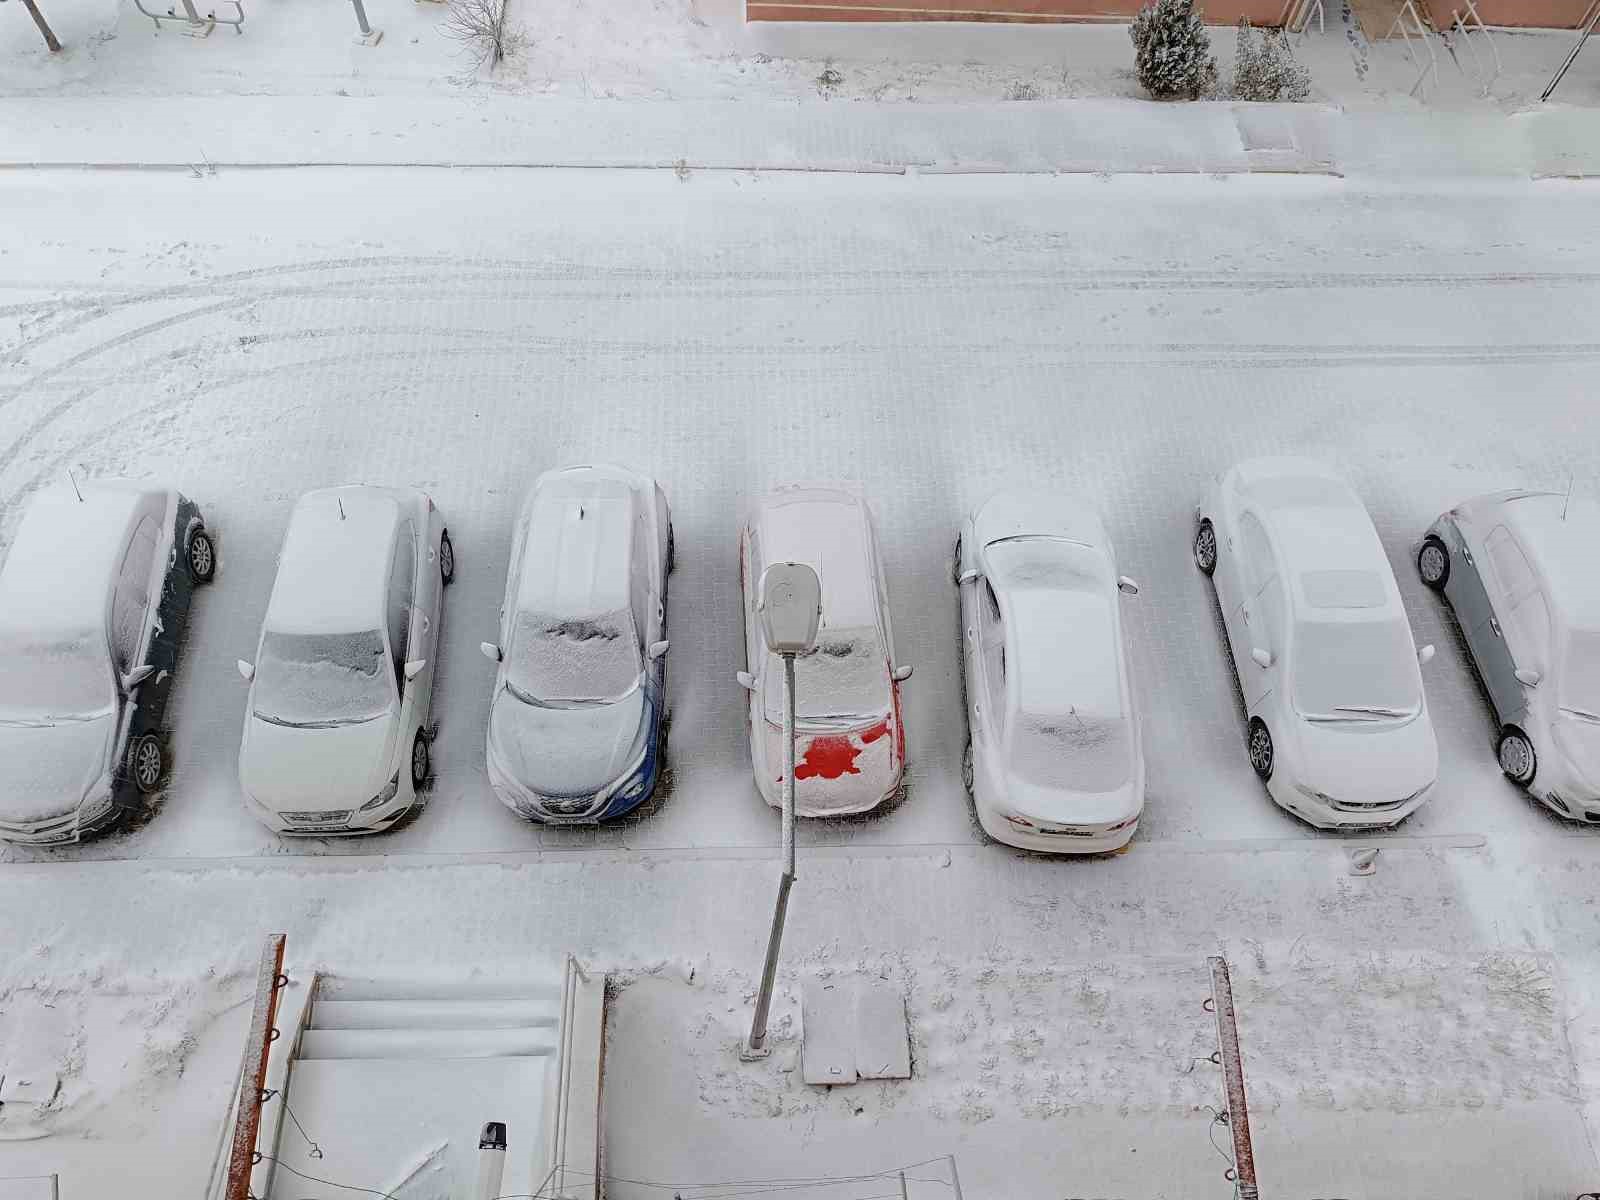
(1548, 14)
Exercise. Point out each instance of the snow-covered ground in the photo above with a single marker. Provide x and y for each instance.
(703, 49)
(1431, 1030)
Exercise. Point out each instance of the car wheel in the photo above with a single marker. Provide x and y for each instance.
(147, 763)
(966, 769)
(1260, 746)
(1205, 548)
(202, 557)
(1517, 758)
(420, 762)
(447, 558)
(1433, 563)
(955, 563)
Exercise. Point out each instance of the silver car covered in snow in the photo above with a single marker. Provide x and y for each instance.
(1520, 570)
(576, 718)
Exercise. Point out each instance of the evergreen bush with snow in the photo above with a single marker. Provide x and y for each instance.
(1265, 67)
(1172, 51)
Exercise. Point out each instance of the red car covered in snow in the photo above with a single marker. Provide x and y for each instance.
(850, 739)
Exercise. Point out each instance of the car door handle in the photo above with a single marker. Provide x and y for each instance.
(1494, 624)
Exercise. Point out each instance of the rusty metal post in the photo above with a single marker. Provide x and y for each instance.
(44, 26)
(247, 1119)
(1244, 1159)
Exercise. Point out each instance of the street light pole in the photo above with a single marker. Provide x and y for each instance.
(790, 607)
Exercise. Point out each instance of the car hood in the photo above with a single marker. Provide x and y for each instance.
(836, 770)
(1580, 742)
(45, 771)
(1367, 764)
(565, 751)
(286, 769)
(1063, 806)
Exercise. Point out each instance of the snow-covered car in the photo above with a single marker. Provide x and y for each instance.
(1519, 568)
(1054, 760)
(575, 720)
(850, 745)
(94, 604)
(336, 726)
(1339, 729)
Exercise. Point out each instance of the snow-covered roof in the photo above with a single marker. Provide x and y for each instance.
(1564, 551)
(66, 552)
(827, 530)
(333, 573)
(1062, 648)
(580, 546)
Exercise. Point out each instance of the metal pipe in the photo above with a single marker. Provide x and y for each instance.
(757, 1045)
(955, 1177)
(1244, 1161)
(361, 18)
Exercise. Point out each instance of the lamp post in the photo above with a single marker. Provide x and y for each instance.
(790, 608)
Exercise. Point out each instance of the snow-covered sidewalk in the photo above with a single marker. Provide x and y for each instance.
(1081, 136)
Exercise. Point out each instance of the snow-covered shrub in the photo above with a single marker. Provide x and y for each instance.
(1172, 51)
(1265, 67)
(480, 27)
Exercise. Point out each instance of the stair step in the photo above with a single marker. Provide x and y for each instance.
(545, 990)
(431, 1014)
(426, 1043)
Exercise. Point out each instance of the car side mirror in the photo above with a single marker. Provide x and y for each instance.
(901, 674)
(746, 680)
(490, 651)
(137, 676)
(414, 667)
(1127, 586)
(1529, 677)
(658, 649)
(1263, 657)
(968, 575)
(247, 670)
(1425, 655)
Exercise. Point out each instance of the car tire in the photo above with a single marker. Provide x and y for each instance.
(201, 554)
(1205, 548)
(967, 776)
(955, 563)
(447, 558)
(1433, 563)
(1517, 757)
(421, 762)
(147, 763)
(1259, 747)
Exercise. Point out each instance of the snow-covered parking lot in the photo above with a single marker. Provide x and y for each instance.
(248, 335)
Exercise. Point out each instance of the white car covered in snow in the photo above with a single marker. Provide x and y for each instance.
(1520, 570)
(94, 602)
(1338, 722)
(575, 721)
(336, 725)
(1054, 760)
(850, 739)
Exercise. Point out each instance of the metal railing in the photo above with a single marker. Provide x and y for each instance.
(1585, 29)
(1465, 26)
(1418, 31)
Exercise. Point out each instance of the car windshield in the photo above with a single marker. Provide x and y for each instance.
(1355, 671)
(1086, 752)
(845, 677)
(573, 660)
(318, 680)
(54, 677)
(1580, 674)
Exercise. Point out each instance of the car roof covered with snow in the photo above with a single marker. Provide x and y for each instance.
(1561, 536)
(828, 530)
(1324, 538)
(333, 572)
(580, 545)
(59, 569)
